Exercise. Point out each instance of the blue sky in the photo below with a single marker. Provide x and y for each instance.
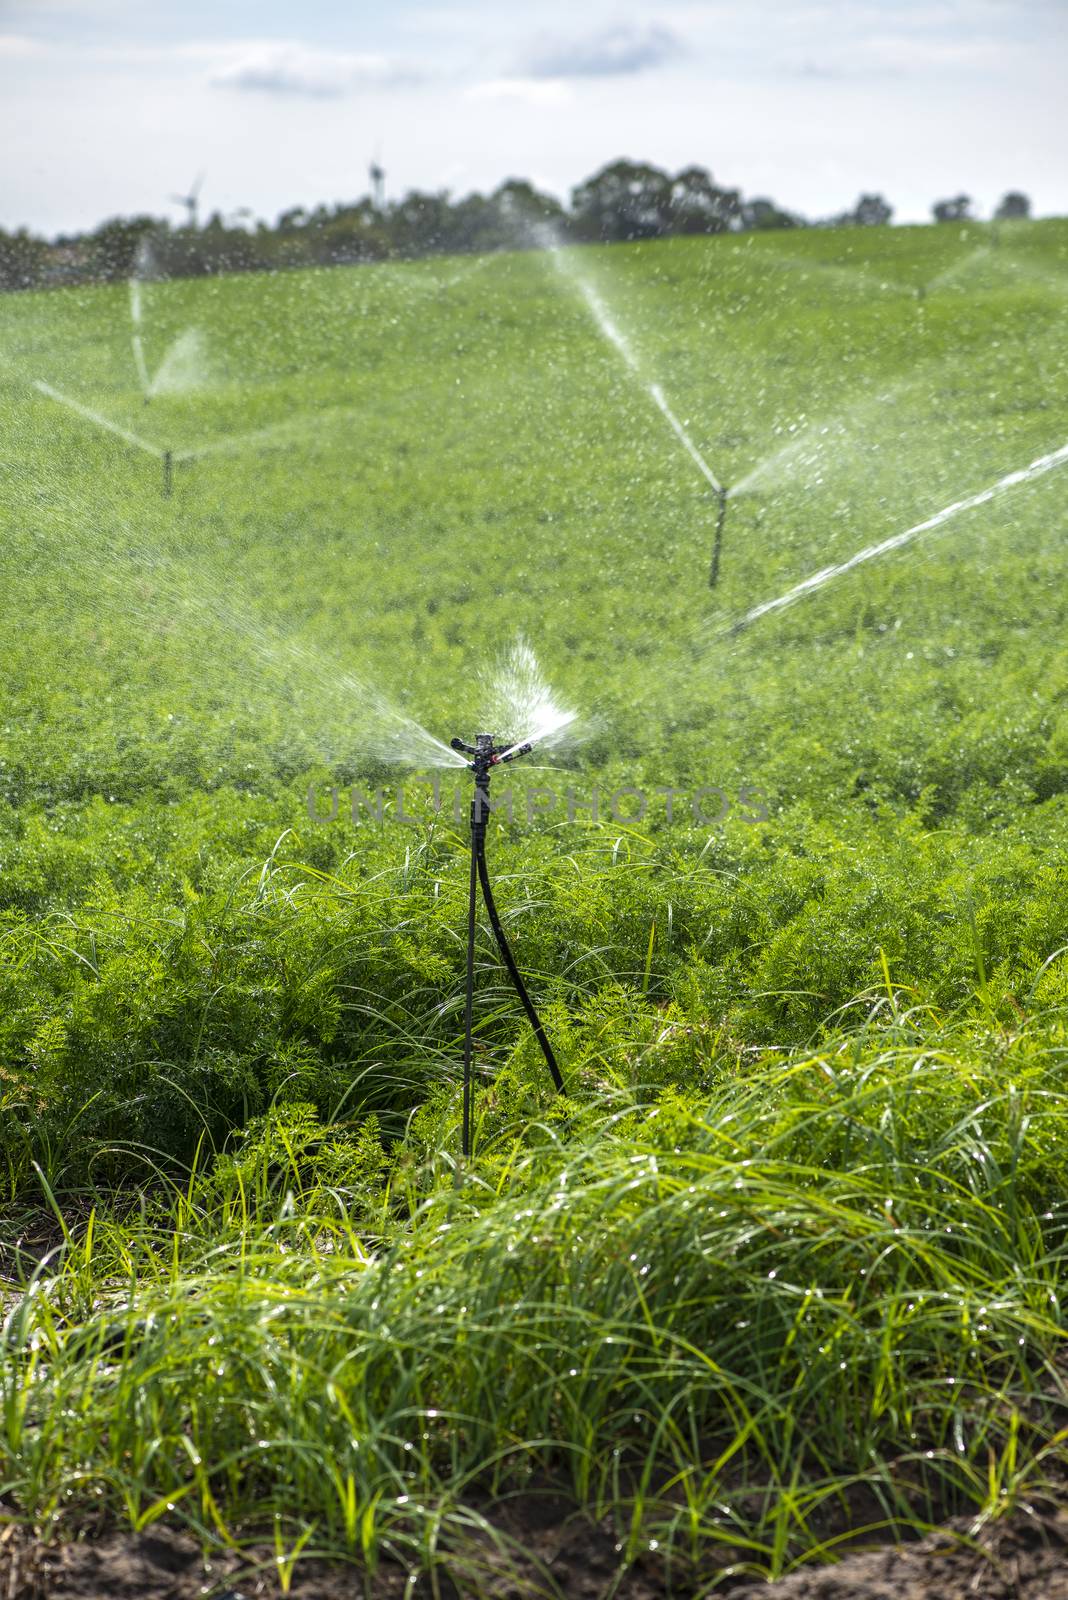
(108, 106)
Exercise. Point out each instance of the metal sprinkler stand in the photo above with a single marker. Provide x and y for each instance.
(486, 757)
(717, 542)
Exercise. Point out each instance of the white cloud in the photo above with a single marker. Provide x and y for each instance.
(914, 126)
(898, 54)
(284, 67)
(530, 91)
(15, 46)
(606, 53)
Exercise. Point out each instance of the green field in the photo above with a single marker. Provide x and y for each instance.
(788, 1260)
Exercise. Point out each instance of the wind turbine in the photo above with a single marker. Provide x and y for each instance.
(190, 201)
(377, 174)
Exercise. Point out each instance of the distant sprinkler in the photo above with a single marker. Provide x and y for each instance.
(190, 200)
(717, 539)
(487, 754)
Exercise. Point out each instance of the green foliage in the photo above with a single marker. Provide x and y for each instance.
(842, 1270)
(815, 1063)
(621, 202)
(288, 1152)
(186, 994)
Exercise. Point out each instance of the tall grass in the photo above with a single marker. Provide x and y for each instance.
(734, 1323)
(787, 1264)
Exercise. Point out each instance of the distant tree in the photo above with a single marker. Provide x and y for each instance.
(223, 248)
(293, 220)
(625, 200)
(473, 224)
(1012, 207)
(420, 223)
(870, 211)
(113, 246)
(956, 210)
(698, 205)
(353, 233)
(519, 211)
(23, 260)
(758, 216)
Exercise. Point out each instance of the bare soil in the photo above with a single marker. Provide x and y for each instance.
(1022, 1557)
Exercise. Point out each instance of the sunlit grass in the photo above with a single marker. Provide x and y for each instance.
(709, 1317)
(785, 1268)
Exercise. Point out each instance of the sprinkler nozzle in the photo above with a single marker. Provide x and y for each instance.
(488, 752)
(512, 755)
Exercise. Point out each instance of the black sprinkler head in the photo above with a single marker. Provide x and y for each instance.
(488, 752)
(484, 750)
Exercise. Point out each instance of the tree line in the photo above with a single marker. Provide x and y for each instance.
(624, 201)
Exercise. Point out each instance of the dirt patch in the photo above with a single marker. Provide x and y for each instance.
(1023, 1557)
(564, 1555)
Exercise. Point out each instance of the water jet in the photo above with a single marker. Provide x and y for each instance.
(167, 457)
(548, 241)
(1036, 469)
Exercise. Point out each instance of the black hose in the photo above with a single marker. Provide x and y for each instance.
(469, 1001)
(478, 846)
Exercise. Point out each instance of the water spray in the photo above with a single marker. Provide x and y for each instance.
(1037, 469)
(720, 490)
(547, 239)
(135, 336)
(166, 457)
(486, 755)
